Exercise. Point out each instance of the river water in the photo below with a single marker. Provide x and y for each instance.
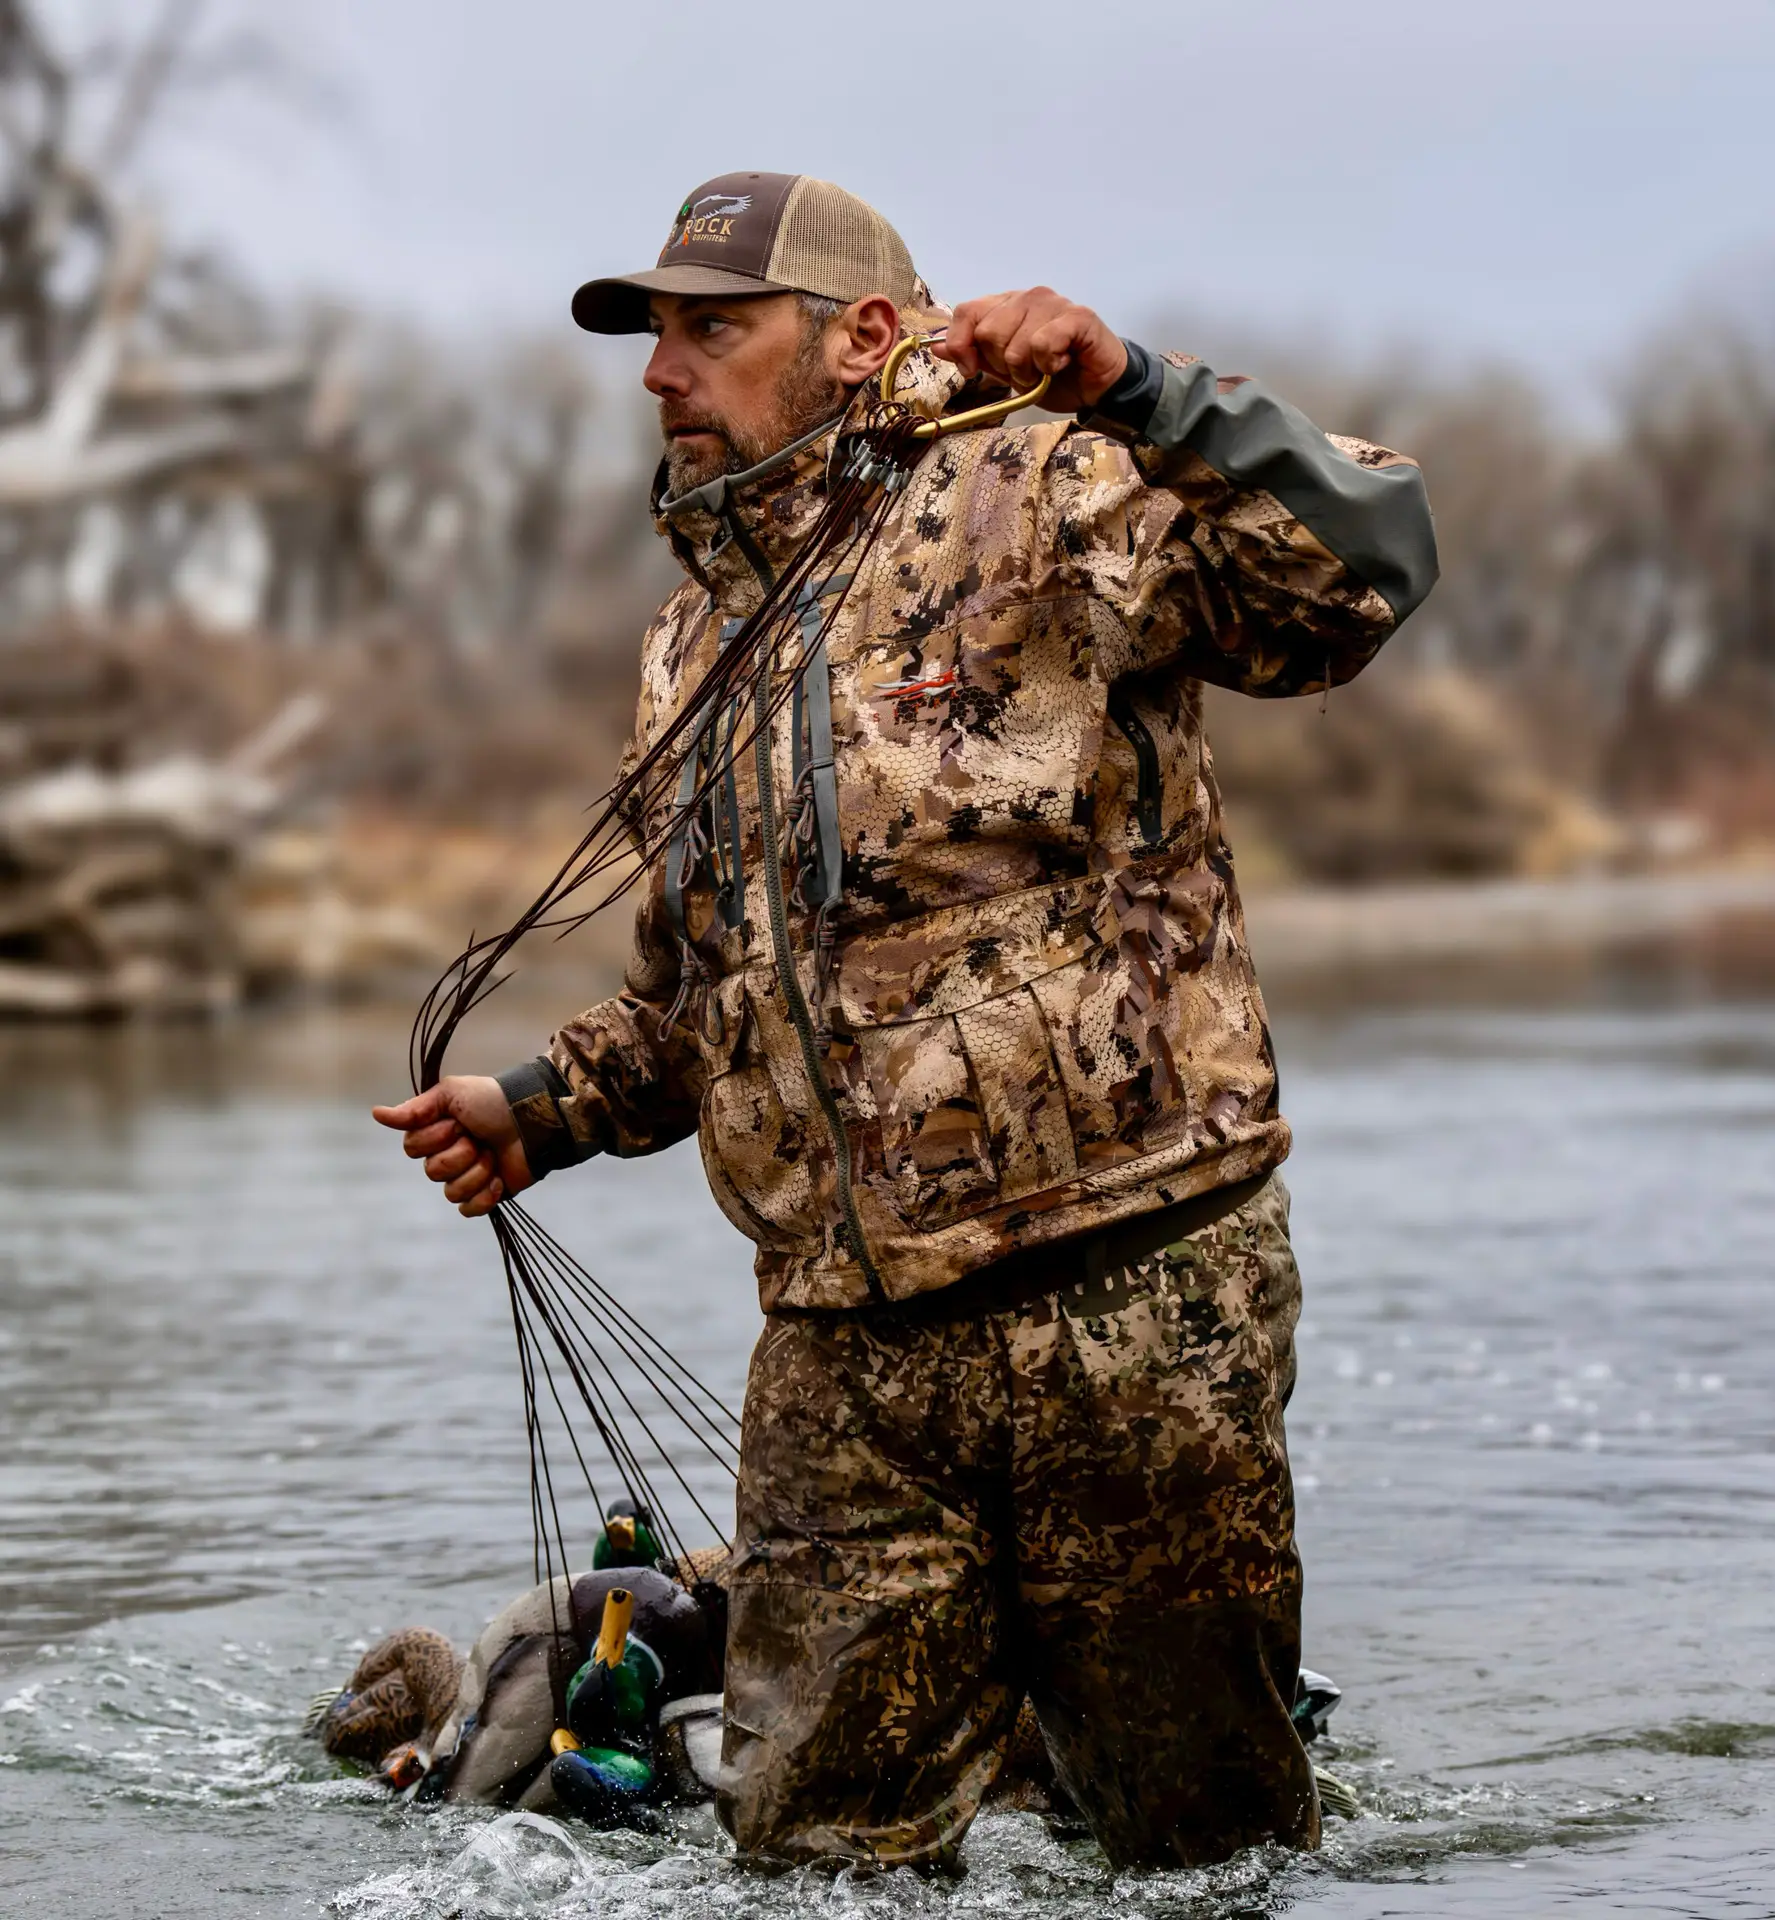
(258, 1405)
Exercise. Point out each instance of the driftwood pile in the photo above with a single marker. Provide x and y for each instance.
(118, 889)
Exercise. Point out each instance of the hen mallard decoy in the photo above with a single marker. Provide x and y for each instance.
(402, 1688)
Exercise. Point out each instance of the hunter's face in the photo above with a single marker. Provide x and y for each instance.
(735, 379)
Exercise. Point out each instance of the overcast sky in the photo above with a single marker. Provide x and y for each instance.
(1541, 180)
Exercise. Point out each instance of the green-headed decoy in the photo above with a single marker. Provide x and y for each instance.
(628, 1539)
(604, 1769)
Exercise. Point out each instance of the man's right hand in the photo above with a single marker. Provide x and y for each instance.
(464, 1132)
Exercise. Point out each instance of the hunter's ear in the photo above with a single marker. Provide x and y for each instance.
(862, 338)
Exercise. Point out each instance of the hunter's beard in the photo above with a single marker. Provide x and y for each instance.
(806, 395)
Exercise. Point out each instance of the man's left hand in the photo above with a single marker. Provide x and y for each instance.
(1017, 337)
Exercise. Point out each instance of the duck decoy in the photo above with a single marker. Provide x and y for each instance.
(627, 1539)
(399, 1692)
(604, 1768)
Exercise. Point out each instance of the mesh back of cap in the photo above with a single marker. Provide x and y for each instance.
(831, 243)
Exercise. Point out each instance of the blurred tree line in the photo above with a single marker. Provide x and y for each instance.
(206, 500)
(1594, 676)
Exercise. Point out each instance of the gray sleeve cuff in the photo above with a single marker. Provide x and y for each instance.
(536, 1089)
(1375, 519)
(1130, 403)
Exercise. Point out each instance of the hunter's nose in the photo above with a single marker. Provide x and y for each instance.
(667, 377)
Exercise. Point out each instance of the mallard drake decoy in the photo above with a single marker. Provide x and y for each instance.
(604, 1768)
(607, 1786)
(628, 1539)
(675, 1625)
(1315, 1699)
(612, 1699)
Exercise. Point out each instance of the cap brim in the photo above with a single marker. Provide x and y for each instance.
(619, 305)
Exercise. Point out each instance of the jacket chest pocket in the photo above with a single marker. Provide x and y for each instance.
(1022, 1095)
(935, 1148)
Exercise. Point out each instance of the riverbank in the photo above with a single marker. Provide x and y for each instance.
(1461, 941)
(1301, 928)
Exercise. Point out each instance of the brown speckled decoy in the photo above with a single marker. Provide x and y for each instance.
(400, 1688)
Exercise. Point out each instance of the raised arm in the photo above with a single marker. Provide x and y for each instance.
(1233, 537)
(1236, 539)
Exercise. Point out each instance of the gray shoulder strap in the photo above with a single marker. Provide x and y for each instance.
(817, 677)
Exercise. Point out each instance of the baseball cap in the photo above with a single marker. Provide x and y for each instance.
(759, 233)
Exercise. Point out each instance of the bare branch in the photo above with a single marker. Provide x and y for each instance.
(145, 84)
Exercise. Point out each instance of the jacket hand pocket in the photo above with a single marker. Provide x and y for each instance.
(971, 1109)
(935, 1149)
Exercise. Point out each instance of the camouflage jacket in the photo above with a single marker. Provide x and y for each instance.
(1039, 1010)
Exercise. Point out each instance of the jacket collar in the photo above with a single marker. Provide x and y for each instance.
(736, 533)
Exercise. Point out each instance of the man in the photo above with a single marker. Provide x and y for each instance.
(1015, 1420)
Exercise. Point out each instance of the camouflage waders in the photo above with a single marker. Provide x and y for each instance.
(1069, 1479)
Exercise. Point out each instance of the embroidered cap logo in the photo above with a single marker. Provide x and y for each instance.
(709, 219)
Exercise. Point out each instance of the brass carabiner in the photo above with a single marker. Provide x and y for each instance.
(986, 416)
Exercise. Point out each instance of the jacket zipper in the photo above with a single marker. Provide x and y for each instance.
(1148, 800)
